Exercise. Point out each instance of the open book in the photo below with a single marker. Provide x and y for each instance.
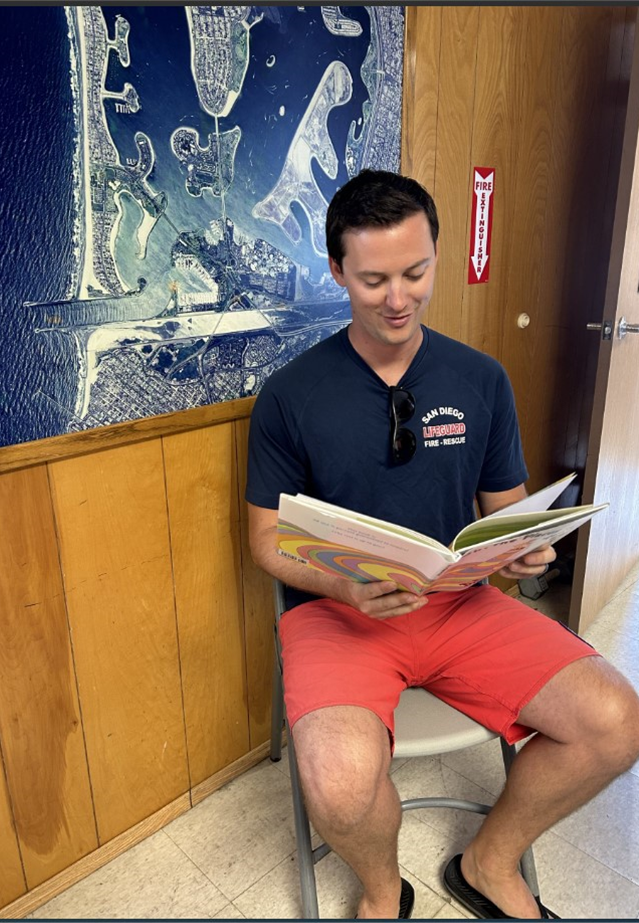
(339, 541)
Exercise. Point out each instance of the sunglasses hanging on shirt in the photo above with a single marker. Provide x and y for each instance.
(403, 440)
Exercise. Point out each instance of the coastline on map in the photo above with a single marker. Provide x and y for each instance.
(78, 165)
(88, 280)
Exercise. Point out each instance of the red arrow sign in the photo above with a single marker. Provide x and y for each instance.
(481, 224)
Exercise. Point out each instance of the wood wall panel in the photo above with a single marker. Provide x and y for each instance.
(114, 544)
(498, 90)
(12, 880)
(40, 731)
(457, 75)
(201, 478)
(421, 93)
(258, 615)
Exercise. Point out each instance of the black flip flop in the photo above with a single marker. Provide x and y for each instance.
(474, 901)
(406, 900)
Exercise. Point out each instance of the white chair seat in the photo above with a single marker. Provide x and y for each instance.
(426, 726)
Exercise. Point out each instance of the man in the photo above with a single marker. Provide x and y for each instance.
(343, 422)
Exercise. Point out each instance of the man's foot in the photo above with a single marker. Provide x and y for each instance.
(402, 908)
(508, 892)
(496, 897)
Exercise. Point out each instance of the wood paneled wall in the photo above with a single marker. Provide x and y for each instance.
(135, 641)
(135, 633)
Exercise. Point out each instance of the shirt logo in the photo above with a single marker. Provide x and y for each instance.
(443, 431)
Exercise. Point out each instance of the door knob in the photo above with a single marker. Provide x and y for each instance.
(624, 327)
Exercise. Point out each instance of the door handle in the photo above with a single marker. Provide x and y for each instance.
(623, 327)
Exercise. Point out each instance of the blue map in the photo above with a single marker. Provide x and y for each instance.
(208, 142)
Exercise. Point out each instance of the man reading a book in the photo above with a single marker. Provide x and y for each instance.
(360, 420)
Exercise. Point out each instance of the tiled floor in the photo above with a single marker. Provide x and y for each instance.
(233, 856)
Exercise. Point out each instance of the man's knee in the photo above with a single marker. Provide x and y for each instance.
(341, 776)
(611, 716)
(342, 795)
(590, 702)
(618, 717)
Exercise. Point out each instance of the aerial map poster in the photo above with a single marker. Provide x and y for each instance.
(166, 172)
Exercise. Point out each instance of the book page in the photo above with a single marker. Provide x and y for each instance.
(352, 516)
(535, 503)
(492, 529)
(486, 559)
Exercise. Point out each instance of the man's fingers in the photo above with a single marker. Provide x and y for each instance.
(380, 588)
(382, 599)
(397, 603)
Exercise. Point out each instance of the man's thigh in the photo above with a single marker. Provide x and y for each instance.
(491, 655)
(335, 656)
(587, 697)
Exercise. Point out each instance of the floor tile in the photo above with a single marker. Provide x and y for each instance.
(277, 894)
(431, 777)
(555, 602)
(240, 832)
(154, 880)
(607, 828)
(424, 851)
(578, 887)
(483, 765)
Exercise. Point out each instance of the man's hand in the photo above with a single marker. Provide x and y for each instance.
(533, 564)
(380, 599)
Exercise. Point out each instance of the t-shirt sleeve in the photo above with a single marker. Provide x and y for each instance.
(504, 466)
(276, 458)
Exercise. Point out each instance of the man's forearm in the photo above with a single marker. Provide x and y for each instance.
(378, 599)
(293, 573)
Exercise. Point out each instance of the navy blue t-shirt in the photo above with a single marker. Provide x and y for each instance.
(321, 427)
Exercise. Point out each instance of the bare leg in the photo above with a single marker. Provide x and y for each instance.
(343, 753)
(588, 719)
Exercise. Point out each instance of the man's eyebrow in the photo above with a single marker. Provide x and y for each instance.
(373, 272)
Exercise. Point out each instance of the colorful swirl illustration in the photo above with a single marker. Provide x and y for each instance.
(331, 558)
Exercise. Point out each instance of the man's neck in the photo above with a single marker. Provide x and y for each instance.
(389, 361)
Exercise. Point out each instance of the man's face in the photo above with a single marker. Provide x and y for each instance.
(389, 274)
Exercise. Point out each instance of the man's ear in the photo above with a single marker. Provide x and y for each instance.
(336, 271)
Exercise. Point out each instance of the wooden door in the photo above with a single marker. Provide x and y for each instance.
(610, 547)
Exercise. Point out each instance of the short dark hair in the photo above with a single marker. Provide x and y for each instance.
(375, 198)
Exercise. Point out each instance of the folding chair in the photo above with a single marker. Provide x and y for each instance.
(424, 726)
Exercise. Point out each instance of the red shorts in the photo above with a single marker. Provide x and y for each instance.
(483, 652)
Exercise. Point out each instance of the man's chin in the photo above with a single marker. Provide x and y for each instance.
(399, 336)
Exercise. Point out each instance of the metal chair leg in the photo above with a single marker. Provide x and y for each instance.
(277, 711)
(305, 857)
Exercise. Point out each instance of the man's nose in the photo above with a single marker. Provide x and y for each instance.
(396, 295)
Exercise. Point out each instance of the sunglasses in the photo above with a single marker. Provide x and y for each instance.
(403, 441)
